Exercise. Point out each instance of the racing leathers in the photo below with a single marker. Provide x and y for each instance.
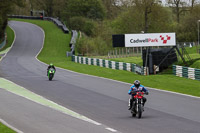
(133, 91)
(50, 66)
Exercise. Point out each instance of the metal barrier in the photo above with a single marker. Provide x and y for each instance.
(72, 43)
(109, 64)
(54, 20)
(3, 43)
(186, 72)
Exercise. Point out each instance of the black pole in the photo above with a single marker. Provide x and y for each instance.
(165, 58)
(147, 53)
(181, 55)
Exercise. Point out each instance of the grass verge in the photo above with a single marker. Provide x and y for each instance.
(10, 38)
(5, 129)
(55, 38)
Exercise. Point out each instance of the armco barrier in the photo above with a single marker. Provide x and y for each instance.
(72, 43)
(54, 20)
(109, 64)
(2, 44)
(186, 72)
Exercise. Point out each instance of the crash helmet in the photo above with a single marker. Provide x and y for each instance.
(137, 83)
(51, 64)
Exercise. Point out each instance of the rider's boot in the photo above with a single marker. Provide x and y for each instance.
(129, 104)
(143, 106)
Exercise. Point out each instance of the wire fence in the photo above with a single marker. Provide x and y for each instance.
(137, 51)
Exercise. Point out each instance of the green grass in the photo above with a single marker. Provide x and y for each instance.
(4, 129)
(192, 50)
(193, 55)
(55, 48)
(135, 60)
(10, 38)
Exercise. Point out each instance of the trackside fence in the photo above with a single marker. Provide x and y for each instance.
(2, 44)
(54, 20)
(186, 72)
(109, 64)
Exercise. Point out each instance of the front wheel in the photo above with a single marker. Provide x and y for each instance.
(139, 111)
(50, 77)
(133, 110)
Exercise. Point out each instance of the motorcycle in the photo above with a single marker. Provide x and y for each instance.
(137, 105)
(51, 73)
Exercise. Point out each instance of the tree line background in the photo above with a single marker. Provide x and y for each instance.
(99, 19)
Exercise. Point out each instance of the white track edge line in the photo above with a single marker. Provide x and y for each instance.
(8, 125)
(111, 129)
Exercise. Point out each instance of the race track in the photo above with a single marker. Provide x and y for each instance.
(99, 99)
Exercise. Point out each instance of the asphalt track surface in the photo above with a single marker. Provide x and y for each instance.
(99, 99)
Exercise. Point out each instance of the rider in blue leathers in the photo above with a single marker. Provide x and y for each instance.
(135, 88)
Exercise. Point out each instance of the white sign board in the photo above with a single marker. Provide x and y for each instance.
(152, 39)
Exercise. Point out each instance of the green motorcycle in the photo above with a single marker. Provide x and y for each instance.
(51, 73)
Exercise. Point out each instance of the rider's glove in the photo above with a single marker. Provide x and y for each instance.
(132, 92)
(147, 93)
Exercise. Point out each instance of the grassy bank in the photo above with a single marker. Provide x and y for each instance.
(4, 129)
(10, 38)
(58, 57)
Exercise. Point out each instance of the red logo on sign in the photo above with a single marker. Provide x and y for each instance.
(165, 40)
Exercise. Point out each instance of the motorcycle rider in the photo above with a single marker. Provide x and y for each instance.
(135, 88)
(50, 66)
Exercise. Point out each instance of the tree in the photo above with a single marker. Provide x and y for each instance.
(132, 21)
(144, 7)
(59, 6)
(92, 9)
(180, 6)
(6, 7)
(112, 9)
(46, 5)
(187, 29)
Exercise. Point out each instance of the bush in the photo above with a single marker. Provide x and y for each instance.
(83, 24)
(76, 23)
(92, 46)
(89, 28)
(3, 24)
